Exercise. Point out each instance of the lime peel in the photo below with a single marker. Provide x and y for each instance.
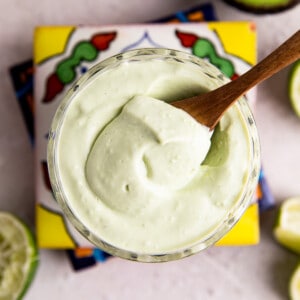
(18, 257)
(294, 87)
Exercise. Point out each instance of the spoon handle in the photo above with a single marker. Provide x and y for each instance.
(280, 58)
(208, 108)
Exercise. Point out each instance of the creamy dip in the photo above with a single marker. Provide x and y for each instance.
(141, 174)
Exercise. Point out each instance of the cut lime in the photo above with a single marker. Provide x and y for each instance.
(294, 286)
(262, 6)
(18, 257)
(294, 87)
(287, 228)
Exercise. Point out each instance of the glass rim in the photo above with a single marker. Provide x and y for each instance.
(232, 216)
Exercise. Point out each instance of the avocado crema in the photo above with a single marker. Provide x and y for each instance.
(141, 174)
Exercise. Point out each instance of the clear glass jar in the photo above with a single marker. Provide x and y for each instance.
(216, 79)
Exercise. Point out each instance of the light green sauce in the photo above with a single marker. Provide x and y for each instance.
(143, 175)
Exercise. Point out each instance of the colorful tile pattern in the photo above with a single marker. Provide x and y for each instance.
(71, 65)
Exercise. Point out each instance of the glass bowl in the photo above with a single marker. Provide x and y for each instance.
(216, 78)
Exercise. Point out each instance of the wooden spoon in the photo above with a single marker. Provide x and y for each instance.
(208, 108)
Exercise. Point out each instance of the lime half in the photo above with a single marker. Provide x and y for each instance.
(294, 287)
(287, 228)
(294, 87)
(18, 257)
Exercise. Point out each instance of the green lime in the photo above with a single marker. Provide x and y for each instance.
(262, 6)
(294, 87)
(294, 286)
(18, 257)
(287, 228)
